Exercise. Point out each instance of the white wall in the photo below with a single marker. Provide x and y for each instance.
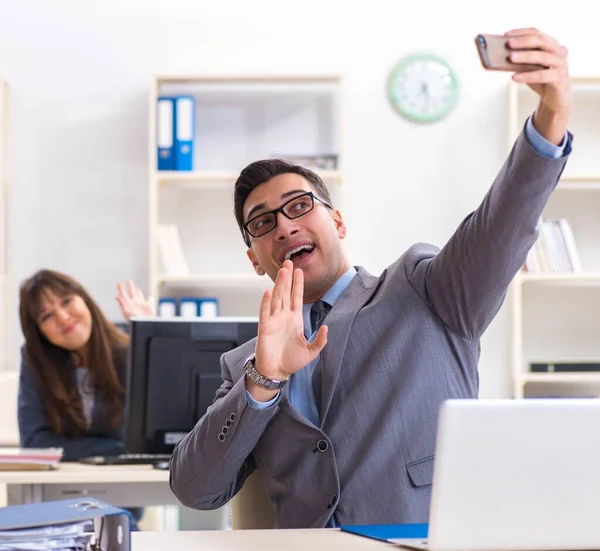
(80, 72)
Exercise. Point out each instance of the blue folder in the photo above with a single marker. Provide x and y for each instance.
(111, 525)
(165, 133)
(386, 532)
(184, 132)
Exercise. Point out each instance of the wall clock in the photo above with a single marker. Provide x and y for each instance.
(423, 88)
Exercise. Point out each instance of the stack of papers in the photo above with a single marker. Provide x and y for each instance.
(74, 536)
(81, 524)
(29, 459)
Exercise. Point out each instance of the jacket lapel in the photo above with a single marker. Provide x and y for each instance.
(339, 321)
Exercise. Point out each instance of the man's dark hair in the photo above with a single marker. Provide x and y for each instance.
(260, 172)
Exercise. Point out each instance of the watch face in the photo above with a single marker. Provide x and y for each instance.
(423, 88)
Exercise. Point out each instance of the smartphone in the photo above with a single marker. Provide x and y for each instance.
(494, 51)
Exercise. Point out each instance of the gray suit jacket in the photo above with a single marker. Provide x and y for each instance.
(398, 346)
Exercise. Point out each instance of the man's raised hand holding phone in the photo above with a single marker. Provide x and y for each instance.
(539, 61)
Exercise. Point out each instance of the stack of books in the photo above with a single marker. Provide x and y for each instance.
(555, 250)
(170, 250)
(29, 459)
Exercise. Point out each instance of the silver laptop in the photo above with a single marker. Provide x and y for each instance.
(515, 475)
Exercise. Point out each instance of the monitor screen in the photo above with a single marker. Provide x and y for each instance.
(174, 372)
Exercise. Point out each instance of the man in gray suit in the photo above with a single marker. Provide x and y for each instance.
(340, 420)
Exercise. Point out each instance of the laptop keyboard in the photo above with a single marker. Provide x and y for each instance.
(126, 459)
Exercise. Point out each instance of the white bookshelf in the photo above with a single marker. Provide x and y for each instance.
(556, 316)
(6, 306)
(239, 119)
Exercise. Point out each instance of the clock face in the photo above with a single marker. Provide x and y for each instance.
(423, 88)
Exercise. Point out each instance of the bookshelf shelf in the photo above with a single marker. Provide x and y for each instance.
(569, 178)
(579, 186)
(239, 118)
(555, 311)
(275, 79)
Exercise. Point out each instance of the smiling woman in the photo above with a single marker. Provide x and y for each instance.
(71, 385)
(75, 357)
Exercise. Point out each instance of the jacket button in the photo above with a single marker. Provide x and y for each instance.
(232, 417)
(333, 502)
(221, 437)
(322, 446)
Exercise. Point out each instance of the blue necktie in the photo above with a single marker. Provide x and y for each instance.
(318, 312)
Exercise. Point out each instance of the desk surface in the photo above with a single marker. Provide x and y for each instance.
(255, 540)
(73, 473)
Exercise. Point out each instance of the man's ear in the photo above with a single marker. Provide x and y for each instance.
(257, 267)
(340, 226)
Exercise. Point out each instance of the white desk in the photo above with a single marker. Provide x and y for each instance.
(123, 486)
(255, 540)
(131, 486)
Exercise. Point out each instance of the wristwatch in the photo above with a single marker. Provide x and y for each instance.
(261, 380)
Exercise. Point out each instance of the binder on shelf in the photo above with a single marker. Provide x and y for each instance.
(167, 307)
(208, 307)
(165, 133)
(184, 132)
(82, 523)
(198, 307)
(188, 307)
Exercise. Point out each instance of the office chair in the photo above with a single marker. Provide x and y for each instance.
(250, 507)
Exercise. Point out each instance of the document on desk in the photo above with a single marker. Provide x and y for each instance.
(389, 532)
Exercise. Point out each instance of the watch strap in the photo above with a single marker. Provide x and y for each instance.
(259, 379)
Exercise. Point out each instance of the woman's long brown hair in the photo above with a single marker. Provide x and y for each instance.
(55, 382)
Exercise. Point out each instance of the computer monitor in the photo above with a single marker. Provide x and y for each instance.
(174, 372)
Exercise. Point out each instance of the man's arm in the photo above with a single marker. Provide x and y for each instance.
(210, 464)
(467, 281)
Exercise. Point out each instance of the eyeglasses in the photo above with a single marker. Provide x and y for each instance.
(294, 208)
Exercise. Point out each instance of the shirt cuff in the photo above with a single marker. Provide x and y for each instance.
(541, 145)
(262, 405)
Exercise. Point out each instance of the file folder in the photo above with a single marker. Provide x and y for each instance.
(165, 132)
(184, 132)
(52, 523)
(388, 532)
